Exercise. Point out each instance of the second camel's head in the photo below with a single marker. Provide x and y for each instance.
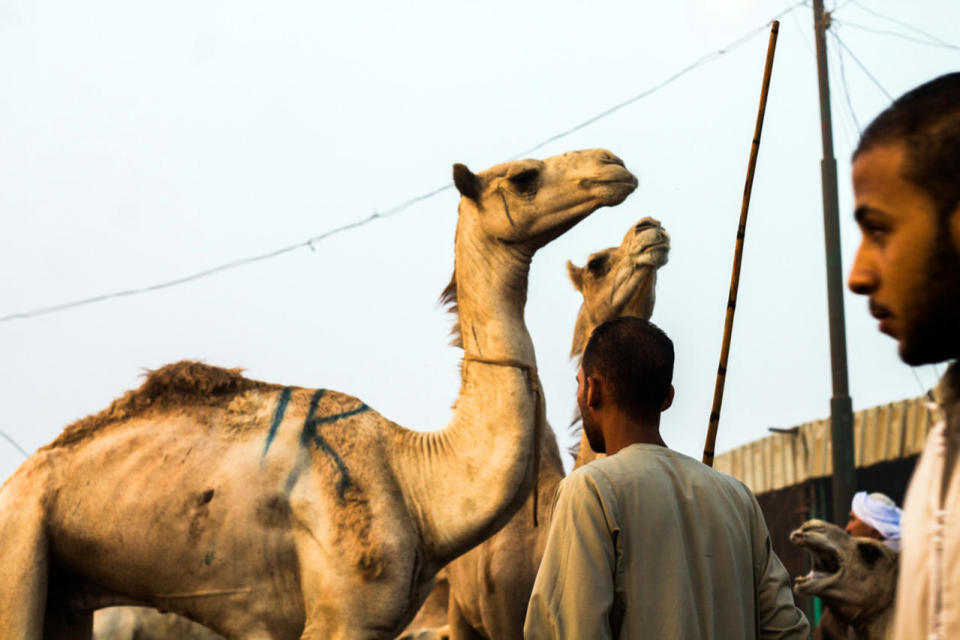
(619, 281)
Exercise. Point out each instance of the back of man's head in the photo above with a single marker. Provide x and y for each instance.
(927, 120)
(635, 359)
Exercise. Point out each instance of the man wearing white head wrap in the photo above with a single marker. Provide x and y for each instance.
(875, 516)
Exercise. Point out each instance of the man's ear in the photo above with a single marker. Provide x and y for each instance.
(955, 228)
(669, 400)
(594, 391)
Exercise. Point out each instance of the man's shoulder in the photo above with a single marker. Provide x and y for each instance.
(640, 462)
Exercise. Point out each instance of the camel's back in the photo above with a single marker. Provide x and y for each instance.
(179, 387)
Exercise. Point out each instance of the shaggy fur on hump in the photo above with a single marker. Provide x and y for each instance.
(179, 384)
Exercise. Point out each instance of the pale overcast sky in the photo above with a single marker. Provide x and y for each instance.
(141, 142)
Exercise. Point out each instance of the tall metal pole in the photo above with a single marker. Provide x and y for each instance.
(841, 410)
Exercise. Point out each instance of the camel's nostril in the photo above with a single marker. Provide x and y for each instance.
(609, 158)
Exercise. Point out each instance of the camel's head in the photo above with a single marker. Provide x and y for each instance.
(528, 203)
(856, 577)
(619, 281)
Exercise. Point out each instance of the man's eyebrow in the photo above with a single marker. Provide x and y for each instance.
(862, 211)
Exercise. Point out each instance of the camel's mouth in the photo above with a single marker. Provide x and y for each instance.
(621, 186)
(827, 569)
(654, 254)
(661, 246)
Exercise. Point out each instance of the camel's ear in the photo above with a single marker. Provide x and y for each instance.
(468, 184)
(576, 275)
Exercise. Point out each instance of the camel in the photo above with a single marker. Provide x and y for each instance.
(264, 511)
(491, 584)
(855, 577)
(615, 282)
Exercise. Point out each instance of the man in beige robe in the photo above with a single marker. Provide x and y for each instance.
(648, 542)
(906, 182)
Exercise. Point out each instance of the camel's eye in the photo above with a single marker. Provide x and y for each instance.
(525, 181)
(597, 265)
(869, 553)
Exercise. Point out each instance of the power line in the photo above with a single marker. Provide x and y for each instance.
(861, 65)
(702, 61)
(14, 443)
(923, 388)
(233, 264)
(801, 30)
(398, 208)
(883, 16)
(846, 89)
(845, 127)
(928, 43)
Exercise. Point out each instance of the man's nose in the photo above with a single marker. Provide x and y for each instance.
(863, 277)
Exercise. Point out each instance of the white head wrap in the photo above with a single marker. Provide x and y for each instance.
(881, 513)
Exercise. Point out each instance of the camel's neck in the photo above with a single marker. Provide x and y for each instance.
(471, 477)
(863, 614)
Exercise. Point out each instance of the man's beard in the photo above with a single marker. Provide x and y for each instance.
(934, 334)
(594, 434)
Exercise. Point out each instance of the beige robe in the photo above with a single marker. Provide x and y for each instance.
(928, 589)
(650, 543)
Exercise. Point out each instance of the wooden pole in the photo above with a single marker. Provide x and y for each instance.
(708, 447)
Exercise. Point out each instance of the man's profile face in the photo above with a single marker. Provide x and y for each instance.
(590, 427)
(858, 528)
(907, 262)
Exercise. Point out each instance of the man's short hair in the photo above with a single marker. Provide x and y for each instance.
(927, 120)
(635, 358)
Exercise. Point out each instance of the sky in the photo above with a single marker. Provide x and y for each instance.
(141, 143)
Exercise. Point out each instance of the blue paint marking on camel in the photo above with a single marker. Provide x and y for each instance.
(311, 435)
(277, 418)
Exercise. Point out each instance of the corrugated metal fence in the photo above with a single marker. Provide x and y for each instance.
(887, 432)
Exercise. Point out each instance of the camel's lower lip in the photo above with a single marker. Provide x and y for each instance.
(656, 247)
(631, 182)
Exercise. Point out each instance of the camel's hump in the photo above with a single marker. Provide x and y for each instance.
(181, 383)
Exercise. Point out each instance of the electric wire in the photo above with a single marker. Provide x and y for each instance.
(398, 208)
(233, 264)
(846, 88)
(845, 131)
(698, 63)
(14, 443)
(861, 65)
(923, 388)
(801, 31)
(901, 23)
(897, 34)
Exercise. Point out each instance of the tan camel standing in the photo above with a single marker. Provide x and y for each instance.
(263, 511)
(491, 584)
(855, 577)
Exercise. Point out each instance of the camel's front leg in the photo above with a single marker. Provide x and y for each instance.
(24, 557)
(459, 628)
